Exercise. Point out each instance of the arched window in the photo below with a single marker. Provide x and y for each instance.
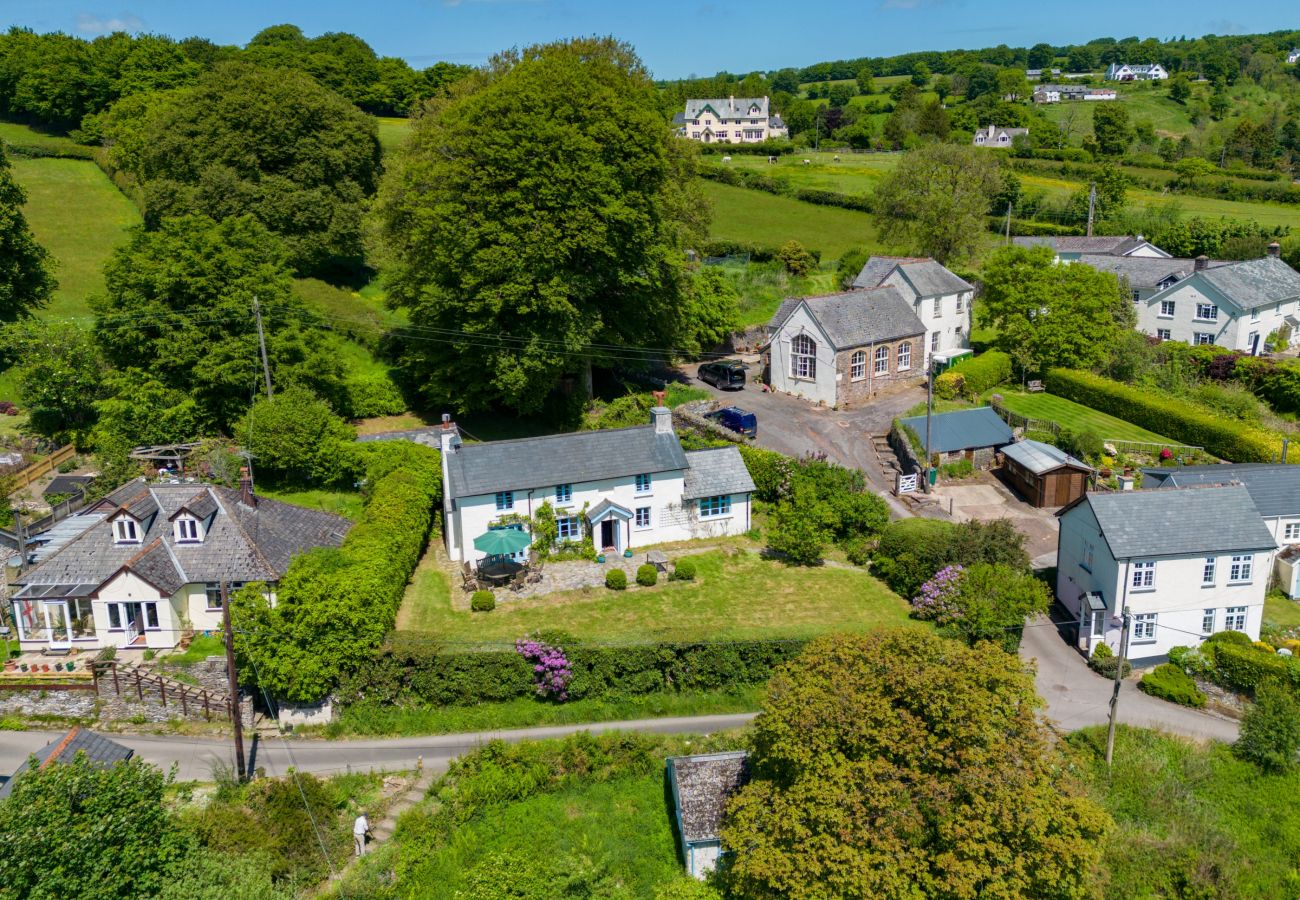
(858, 365)
(904, 356)
(882, 361)
(803, 357)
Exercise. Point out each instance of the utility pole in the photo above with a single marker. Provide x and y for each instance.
(261, 341)
(1008, 223)
(1092, 206)
(929, 410)
(1114, 697)
(238, 711)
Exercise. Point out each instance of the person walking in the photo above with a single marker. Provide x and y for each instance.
(360, 832)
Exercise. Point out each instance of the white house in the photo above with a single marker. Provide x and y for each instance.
(155, 560)
(1143, 276)
(1293, 57)
(993, 136)
(1186, 562)
(939, 298)
(1135, 72)
(1071, 248)
(1235, 304)
(625, 487)
(731, 120)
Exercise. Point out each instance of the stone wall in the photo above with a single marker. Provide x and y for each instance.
(856, 392)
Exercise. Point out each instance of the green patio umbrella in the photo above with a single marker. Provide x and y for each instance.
(502, 541)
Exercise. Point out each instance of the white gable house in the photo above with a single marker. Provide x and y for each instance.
(731, 120)
(1072, 248)
(939, 298)
(1136, 72)
(994, 136)
(623, 487)
(1185, 562)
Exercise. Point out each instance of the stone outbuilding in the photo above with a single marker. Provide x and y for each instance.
(843, 349)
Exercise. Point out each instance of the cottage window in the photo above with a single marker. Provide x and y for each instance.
(1207, 621)
(81, 618)
(151, 615)
(803, 357)
(1164, 334)
(858, 365)
(1235, 619)
(643, 484)
(1292, 531)
(1240, 570)
(1166, 309)
(715, 506)
(212, 594)
(904, 356)
(961, 300)
(114, 616)
(1144, 627)
(1136, 296)
(1144, 576)
(1207, 573)
(1207, 312)
(568, 528)
(643, 517)
(126, 532)
(934, 342)
(1202, 337)
(563, 493)
(1254, 315)
(505, 500)
(187, 531)
(938, 306)
(881, 361)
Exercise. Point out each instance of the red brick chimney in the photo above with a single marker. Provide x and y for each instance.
(246, 495)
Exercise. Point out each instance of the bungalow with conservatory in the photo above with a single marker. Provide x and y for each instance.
(940, 299)
(157, 560)
(625, 487)
(1186, 562)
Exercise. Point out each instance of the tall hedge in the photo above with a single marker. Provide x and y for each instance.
(1182, 421)
(972, 376)
(335, 605)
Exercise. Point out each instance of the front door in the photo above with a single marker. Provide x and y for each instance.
(609, 534)
(56, 623)
(132, 621)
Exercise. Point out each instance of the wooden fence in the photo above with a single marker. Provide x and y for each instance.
(1153, 448)
(1015, 420)
(137, 680)
(26, 476)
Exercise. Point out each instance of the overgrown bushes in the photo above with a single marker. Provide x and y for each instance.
(971, 377)
(912, 550)
(1169, 682)
(1182, 421)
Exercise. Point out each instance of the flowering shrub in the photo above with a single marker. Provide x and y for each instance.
(939, 595)
(551, 669)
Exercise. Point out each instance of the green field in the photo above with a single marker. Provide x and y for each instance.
(348, 504)
(1281, 610)
(25, 137)
(1077, 417)
(392, 131)
(740, 214)
(80, 217)
(851, 173)
(734, 598)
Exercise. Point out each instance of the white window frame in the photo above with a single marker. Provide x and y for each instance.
(212, 596)
(858, 365)
(188, 530)
(644, 484)
(1242, 569)
(643, 517)
(1234, 618)
(961, 304)
(126, 531)
(1208, 570)
(938, 307)
(803, 358)
(1291, 531)
(1202, 338)
(1143, 575)
(934, 342)
(1166, 309)
(1144, 628)
(904, 356)
(1208, 617)
(1207, 312)
(1164, 334)
(880, 365)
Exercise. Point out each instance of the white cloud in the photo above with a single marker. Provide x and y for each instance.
(91, 24)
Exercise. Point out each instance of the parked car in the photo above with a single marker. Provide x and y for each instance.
(736, 419)
(726, 374)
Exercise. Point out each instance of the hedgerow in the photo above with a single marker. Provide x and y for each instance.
(1226, 438)
(973, 376)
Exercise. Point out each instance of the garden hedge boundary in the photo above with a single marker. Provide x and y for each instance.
(413, 669)
(973, 376)
(1181, 421)
(781, 187)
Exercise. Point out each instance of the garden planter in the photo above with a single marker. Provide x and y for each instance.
(10, 665)
(627, 554)
(600, 559)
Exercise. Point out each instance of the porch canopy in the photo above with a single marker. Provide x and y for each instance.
(503, 541)
(606, 509)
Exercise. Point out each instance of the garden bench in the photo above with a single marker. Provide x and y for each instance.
(1035, 386)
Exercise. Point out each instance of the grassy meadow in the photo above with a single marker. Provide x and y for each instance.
(1076, 417)
(392, 131)
(740, 214)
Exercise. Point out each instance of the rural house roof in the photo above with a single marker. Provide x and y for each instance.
(701, 786)
(579, 456)
(712, 473)
(1143, 271)
(1041, 458)
(1254, 283)
(1274, 488)
(99, 750)
(856, 318)
(963, 429)
(1178, 521)
(926, 277)
(1106, 245)
(727, 107)
(240, 543)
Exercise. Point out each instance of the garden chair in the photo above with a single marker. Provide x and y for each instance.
(468, 581)
(520, 580)
(535, 572)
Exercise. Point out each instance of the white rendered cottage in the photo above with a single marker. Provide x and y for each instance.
(730, 120)
(939, 298)
(626, 487)
(1073, 248)
(993, 136)
(1136, 72)
(1187, 562)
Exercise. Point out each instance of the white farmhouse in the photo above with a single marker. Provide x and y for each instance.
(1235, 305)
(1136, 72)
(625, 487)
(993, 136)
(731, 120)
(940, 299)
(1293, 57)
(1186, 562)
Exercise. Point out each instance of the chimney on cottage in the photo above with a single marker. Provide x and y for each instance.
(661, 416)
(1275, 250)
(448, 435)
(246, 495)
(1201, 262)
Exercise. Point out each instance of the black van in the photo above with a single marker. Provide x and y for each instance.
(726, 374)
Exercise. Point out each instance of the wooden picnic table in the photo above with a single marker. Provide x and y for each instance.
(499, 571)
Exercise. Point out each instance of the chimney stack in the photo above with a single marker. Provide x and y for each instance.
(246, 495)
(661, 416)
(448, 436)
(1275, 250)
(1201, 262)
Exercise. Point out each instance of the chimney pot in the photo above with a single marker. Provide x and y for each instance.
(659, 397)
(1201, 262)
(446, 421)
(1275, 249)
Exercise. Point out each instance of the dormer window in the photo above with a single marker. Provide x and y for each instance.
(188, 530)
(126, 531)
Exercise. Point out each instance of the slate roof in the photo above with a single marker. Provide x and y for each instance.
(1106, 245)
(727, 107)
(716, 472)
(963, 429)
(1274, 488)
(701, 786)
(240, 543)
(927, 277)
(579, 456)
(1040, 458)
(1143, 271)
(1256, 282)
(99, 750)
(857, 318)
(68, 484)
(60, 533)
(993, 131)
(1178, 521)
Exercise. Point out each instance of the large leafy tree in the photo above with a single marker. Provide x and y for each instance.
(1111, 128)
(536, 222)
(902, 764)
(26, 269)
(935, 202)
(180, 300)
(59, 372)
(1048, 314)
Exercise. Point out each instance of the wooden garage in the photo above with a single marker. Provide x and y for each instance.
(1045, 475)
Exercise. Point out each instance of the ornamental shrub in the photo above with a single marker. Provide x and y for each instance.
(483, 601)
(616, 580)
(551, 670)
(912, 550)
(1104, 662)
(683, 570)
(1270, 731)
(972, 376)
(1244, 667)
(1228, 637)
(647, 575)
(1262, 646)
(1171, 683)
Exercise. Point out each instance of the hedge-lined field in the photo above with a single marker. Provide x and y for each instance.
(741, 214)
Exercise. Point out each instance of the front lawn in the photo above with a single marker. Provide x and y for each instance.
(1281, 610)
(1076, 417)
(347, 504)
(734, 597)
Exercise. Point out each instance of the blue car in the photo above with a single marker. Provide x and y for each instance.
(736, 419)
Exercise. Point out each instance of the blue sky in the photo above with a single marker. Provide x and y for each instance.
(676, 38)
